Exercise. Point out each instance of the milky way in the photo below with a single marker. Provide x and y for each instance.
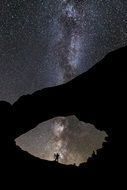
(45, 43)
(74, 140)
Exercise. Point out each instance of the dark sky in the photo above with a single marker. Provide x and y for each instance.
(48, 42)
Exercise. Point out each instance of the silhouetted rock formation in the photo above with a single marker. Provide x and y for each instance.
(97, 96)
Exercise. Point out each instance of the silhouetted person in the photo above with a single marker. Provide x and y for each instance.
(93, 154)
(56, 156)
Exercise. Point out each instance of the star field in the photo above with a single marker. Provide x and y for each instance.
(45, 43)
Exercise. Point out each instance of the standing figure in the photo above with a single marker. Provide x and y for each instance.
(56, 157)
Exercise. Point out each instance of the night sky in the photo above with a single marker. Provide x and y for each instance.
(74, 140)
(46, 43)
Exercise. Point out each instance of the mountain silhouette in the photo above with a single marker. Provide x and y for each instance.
(97, 96)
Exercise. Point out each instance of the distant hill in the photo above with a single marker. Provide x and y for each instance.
(97, 96)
